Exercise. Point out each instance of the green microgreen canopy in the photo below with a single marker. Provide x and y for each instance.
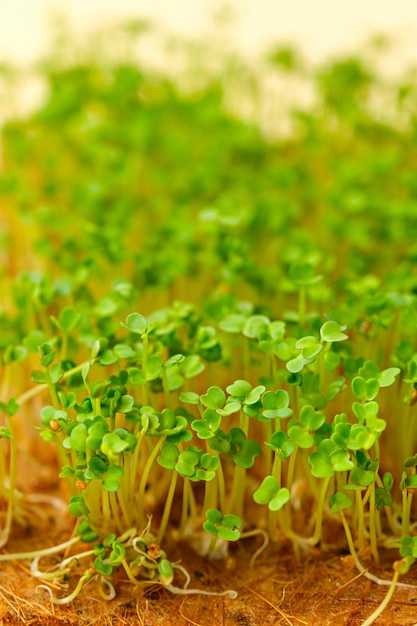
(209, 310)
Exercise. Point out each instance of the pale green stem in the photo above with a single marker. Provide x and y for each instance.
(210, 495)
(127, 515)
(115, 515)
(407, 499)
(221, 486)
(238, 491)
(372, 524)
(64, 346)
(184, 507)
(167, 394)
(371, 619)
(145, 348)
(361, 520)
(34, 391)
(105, 505)
(51, 389)
(134, 465)
(167, 508)
(32, 554)
(144, 479)
(320, 509)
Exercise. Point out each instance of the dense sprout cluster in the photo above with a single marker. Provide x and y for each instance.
(221, 328)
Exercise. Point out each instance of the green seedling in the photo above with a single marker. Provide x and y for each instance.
(251, 352)
(226, 527)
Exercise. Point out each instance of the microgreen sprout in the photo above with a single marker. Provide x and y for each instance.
(212, 373)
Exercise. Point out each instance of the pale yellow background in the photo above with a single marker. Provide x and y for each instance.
(319, 26)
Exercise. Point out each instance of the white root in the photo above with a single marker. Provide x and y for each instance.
(184, 571)
(84, 580)
(52, 574)
(111, 591)
(231, 593)
(377, 580)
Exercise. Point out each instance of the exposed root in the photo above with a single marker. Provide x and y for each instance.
(265, 543)
(33, 554)
(84, 580)
(230, 593)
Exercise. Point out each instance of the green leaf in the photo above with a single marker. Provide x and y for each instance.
(5, 433)
(225, 527)
(244, 450)
(125, 404)
(332, 332)
(363, 389)
(281, 444)
(275, 404)
(68, 319)
(214, 398)
(77, 507)
(206, 428)
(192, 366)
(169, 456)
(299, 436)
(122, 351)
(96, 433)
(296, 364)
(174, 360)
(85, 532)
(77, 439)
(166, 572)
(360, 438)
(230, 407)
(105, 569)
(187, 462)
(411, 482)
(189, 397)
(254, 395)
(360, 478)
(239, 389)
(233, 323)
(387, 376)
(311, 419)
(365, 411)
(47, 354)
(321, 464)
(303, 274)
(408, 546)
(118, 553)
(332, 361)
(112, 445)
(136, 323)
(340, 460)
(34, 339)
(411, 461)
(255, 325)
(270, 493)
(309, 346)
(38, 377)
(154, 368)
(335, 387)
(339, 502)
(10, 407)
(111, 484)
